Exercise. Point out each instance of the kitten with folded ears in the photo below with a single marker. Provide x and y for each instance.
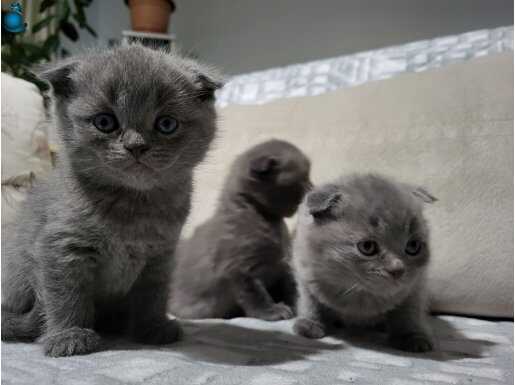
(93, 245)
(237, 263)
(360, 256)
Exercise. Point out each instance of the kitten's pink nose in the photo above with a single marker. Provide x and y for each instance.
(135, 143)
(137, 151)
(395, 268)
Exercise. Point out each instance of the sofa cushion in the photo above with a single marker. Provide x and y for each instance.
(25, 149)
(450, 130)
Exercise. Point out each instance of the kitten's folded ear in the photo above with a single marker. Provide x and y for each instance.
(207, 85)
(58, 76)
(325, 203)
(206, 79)
(263, 165)
(422, 194)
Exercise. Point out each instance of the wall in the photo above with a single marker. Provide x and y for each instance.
(245, 35)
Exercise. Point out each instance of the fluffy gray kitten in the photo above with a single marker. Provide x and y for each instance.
(360, 256)
(92, 247)
(237, 263)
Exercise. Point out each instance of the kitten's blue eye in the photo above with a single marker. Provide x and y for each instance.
(413, 247)
(105, 122)
(166, 125)
(368, 247)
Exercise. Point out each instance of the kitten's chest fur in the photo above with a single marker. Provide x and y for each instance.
(134, 229)
(275, 253)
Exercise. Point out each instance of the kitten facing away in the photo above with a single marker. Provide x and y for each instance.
(237, 263)
(360, 255)
(93, 245)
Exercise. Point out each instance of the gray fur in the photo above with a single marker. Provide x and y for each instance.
(338, 282)
(93, 245)
(237, 262)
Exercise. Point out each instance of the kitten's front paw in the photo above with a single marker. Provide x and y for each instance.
(309, 328)
(416, 342)
(159, 332)
(278, 311)
(70, 342)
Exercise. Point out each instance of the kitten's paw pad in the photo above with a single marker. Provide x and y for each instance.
(416, 343)
(279, 311)
(71, 342)
(160, 332)
(309, 328)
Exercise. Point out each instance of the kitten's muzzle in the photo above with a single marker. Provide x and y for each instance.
(395, 267)
(138, 151)
(134, 143)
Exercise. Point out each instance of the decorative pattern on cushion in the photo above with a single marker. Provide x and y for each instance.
(321, 76)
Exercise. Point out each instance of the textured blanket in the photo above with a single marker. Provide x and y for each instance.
(253, 352)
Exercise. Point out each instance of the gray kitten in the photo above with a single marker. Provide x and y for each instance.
(94, 242)
(237, 263)
(360, 256)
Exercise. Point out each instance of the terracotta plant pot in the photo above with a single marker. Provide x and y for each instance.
(151, 15)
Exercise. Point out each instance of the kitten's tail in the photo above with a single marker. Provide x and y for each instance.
(22, 326)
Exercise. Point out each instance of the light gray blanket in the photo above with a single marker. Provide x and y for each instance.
(253, 352)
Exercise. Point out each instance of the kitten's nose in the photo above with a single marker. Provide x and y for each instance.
(395, 268)
(135, 143)
(137, 151)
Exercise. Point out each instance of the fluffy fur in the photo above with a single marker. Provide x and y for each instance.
(360, 256)
(237, 262)
(93, 245)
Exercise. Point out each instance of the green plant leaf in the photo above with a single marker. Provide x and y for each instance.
(69, 30)
(42, 24)
(80, 16)
(90, 30)
(46, 4)
(80, 19)
(51, 44)
(63, 10)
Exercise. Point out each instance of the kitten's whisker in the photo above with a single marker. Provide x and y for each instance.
(346, 292)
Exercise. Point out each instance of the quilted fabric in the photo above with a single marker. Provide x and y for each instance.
(321, 76)
(251, 352)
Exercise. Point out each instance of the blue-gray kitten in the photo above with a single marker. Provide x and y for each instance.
(237, 262)
(360, 254)
(93, 245)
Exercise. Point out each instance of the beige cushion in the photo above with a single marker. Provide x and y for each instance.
(450, 130)
(25, 151)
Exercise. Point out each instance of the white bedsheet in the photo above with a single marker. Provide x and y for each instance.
(252, 352)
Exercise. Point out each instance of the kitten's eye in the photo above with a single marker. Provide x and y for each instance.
(413, 247)
(368, 248)
(105, 122)
(166, 125)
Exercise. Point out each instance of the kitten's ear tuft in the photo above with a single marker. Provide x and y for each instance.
(204, 78)
(263, 165)
(422, 194)
(207, 85)
(59, 77)
(324, 204)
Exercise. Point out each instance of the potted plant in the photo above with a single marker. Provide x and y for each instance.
(150, 15)
(51, 20)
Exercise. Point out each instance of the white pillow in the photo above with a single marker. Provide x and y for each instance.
(25, 150)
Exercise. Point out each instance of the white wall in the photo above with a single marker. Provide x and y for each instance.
(244, 35)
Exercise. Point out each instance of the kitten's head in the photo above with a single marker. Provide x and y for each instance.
(274, 174)
(133, 116)
(368, 231)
